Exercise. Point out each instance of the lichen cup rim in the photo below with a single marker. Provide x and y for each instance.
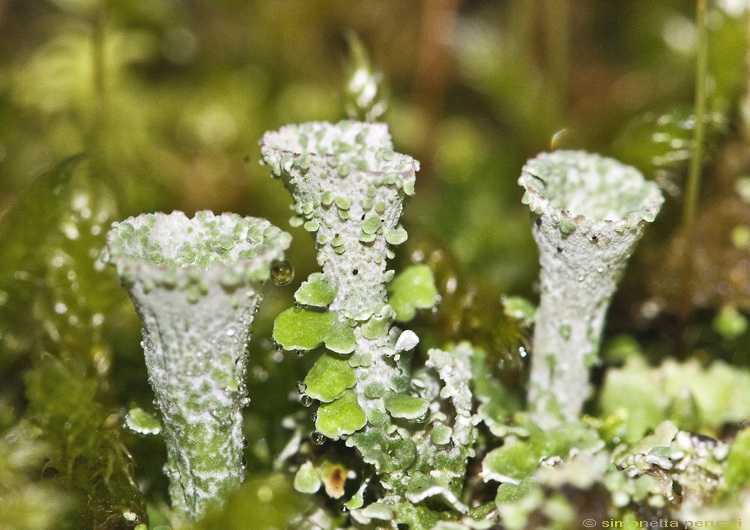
(541, 202)
(133, 262)
(333, 159)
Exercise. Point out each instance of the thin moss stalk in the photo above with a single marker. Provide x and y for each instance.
(692, 187)
(590, 212)
(196, 284)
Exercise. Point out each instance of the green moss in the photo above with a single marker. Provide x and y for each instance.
(90, 459)
(737, 473)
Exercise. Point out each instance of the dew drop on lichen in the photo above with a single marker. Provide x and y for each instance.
(301, 387)
(317, 438)
(282, 272)
(306, 400)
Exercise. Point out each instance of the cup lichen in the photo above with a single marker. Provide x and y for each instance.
(367, 391)
(196, 284)
(590, 211)
(349, 187)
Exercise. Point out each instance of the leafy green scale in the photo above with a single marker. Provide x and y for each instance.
(341, 417)
(318, 291)
(301, 329)
(405, 406)
(412, 289)
(329, 377)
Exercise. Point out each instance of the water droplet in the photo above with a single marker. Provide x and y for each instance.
(301, 387)
(282, 272)
(230, 333)
(314, 416)
(306, 400)
(317, 438)
(581, 277)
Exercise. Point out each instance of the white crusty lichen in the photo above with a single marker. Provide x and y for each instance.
(590, 212)
(196, 284)
(349, 188)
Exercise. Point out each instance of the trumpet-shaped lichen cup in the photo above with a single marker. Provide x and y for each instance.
(590, 212)
(196, 284)
(349, 188)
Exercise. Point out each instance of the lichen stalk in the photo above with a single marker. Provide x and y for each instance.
(349, 188)
(196, 284)
(590, 212)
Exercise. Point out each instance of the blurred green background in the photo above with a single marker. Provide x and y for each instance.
(169, 98)
(175, 94)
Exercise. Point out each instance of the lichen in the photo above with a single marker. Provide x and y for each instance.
(590, 212)
(196, 284)
(398, 423)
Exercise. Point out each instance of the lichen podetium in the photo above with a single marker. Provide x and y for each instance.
(349, 188)
(196, 284)
(590, 212)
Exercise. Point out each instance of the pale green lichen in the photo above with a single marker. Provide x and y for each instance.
(196, 284)
(591, 212)
(302, 329)
(641, 396)
(351, 241)
(412, 289)
(375, 174)
(319, 291)
(329, 377)
(399, 424)
(341, 417)
(307, 479)
(140, 421)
